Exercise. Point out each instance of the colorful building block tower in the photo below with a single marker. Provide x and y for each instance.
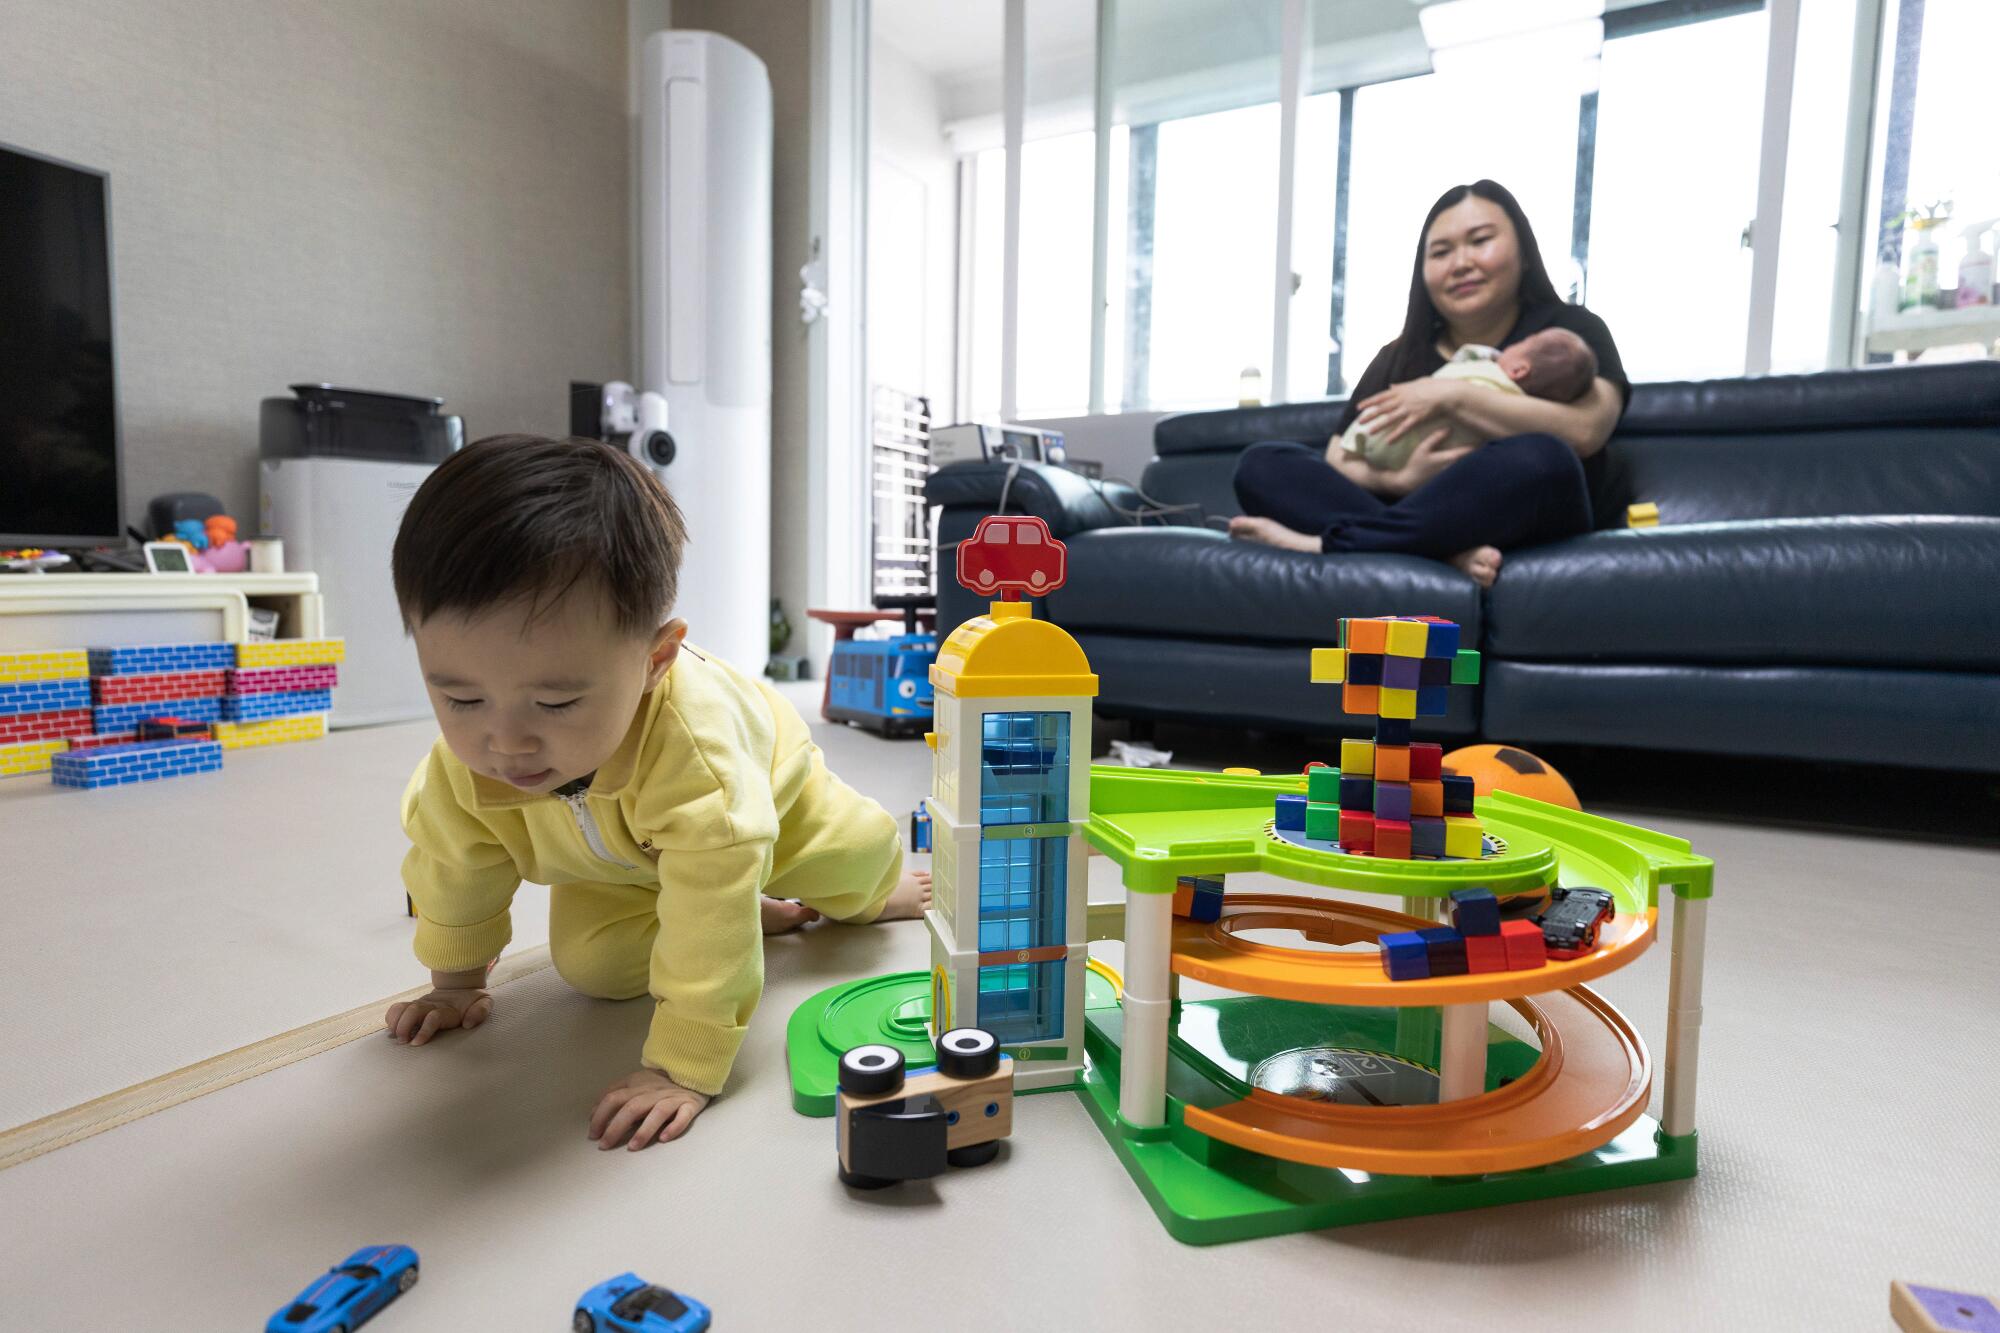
(1390, 796)
(1010, 795)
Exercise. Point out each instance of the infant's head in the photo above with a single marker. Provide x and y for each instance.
(536, 576)
(1553, 364)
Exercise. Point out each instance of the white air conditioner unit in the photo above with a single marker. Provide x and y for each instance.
(705, 325)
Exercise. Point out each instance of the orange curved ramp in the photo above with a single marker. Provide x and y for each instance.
(1216, 953)
(1590, 1084)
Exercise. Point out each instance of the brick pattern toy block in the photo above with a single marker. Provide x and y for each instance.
(156, 689)
(271, 680)
(256, 707)
(1198, 898)
(127, 717)
(118, 765)
(1396, 669)
(50, 664)
(290, 652)
(29, 757)
(97, 740)
(18, 728)
(276, 731)
(159, 658)
(44, 696)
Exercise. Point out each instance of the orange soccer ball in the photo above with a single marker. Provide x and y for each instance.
(1508, 768)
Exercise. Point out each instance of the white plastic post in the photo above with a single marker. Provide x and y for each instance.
(1142, 1092)
(1684, 1014)
(1463, 1062)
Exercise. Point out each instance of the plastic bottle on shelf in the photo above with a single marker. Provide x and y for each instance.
(1250, 387)
(1975, 271)
(1920, 272)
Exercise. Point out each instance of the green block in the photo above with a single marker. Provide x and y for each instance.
(1323, 786)
(1465, 667)
(1322, 820)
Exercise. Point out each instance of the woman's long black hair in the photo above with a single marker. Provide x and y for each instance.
(1416, 343)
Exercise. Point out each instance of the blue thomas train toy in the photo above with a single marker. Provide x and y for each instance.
(883, 685)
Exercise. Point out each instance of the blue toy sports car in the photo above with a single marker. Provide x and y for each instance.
(629, 1304)
(350, 1293)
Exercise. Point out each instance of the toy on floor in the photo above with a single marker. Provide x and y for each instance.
(630, 1304)
(920, 829)
(1509, 768)
(1932, 1310)
(893, 1127)
(350, 1293)
(881, 685)
(1390, 797)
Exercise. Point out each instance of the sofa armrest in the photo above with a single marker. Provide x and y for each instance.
(1067, 502)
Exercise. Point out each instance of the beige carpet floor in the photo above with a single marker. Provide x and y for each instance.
(1850, 1098)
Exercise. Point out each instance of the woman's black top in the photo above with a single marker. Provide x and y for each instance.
(1534, 318)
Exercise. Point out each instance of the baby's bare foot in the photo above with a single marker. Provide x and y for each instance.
(1270, 532)
(909, 898)
(1481, 564)
(780, 916)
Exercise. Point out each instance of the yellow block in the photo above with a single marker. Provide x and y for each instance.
(1408, 638)
(1398, 703)
(271, 731)
(1462, 837)
(1241, 773)
(292, 652)
(1329, 666)
(1357, 759)
(53, 664)
(29, 756)
(1642, 515)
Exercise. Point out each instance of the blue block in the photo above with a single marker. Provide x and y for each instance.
(118, 765)
(1205, 904)
(1405, 956)
(1458, 793)
(1475, 911)
(125, 717)
(44, 696)
(1441, 641)
(277, 703)
(1292, 812)
(1446, 950)
(1358, 793)
(145, 659)
(1433, 700)
(1392, 731)
(1427, 836)
(1364, 668)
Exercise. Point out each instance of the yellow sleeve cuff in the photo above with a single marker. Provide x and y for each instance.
(443, 948)
(694, 1054)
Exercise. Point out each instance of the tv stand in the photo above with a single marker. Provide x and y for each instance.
(63, 610)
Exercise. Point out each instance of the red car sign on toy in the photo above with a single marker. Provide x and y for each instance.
(1012, 554)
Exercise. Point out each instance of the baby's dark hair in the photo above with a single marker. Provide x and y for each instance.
(1561, 367)
(525, 518)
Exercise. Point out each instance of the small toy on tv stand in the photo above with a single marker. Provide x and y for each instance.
(783, 665)
(32, 560)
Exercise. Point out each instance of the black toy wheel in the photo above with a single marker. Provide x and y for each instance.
(967, 1053)
(855, 1180)
(868, 1071)
(583, 1323)
(975, 1154)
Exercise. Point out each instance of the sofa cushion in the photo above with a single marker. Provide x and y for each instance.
(1198, 583)
(1920, 592)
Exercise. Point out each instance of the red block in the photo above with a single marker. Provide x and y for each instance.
(1357, 831)
(1392, 838)
(1426, 761)
(92, 741)
(16, 728)
(1485, 953)
(1523, 942)
(155, 689)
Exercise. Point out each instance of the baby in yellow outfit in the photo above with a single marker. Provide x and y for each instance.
(670, 802)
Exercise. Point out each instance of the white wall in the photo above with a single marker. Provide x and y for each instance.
(912, 248)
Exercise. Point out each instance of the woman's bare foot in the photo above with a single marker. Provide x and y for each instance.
(1270, 532)
(1481, 564)
(780, 915)
(909, 898)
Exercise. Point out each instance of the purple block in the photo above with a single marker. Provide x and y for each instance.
(1402, 673)
(1959, 1311)
(1392, 801)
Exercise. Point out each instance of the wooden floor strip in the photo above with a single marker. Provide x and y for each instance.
(26, 1142)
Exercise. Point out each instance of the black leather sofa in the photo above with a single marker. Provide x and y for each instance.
(1824, 582)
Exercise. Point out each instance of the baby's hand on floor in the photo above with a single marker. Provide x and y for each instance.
(414, 1022)
(648, 1105)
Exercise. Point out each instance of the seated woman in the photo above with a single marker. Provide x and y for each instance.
(1487, 471)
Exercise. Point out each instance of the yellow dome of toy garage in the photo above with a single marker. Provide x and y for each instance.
(1009, 653)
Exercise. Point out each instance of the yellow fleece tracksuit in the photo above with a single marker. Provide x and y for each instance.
(716, 796)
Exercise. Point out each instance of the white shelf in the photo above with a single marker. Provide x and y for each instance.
(1920, 330)
(74, 610)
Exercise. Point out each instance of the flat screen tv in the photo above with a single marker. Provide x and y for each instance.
(61, 480)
